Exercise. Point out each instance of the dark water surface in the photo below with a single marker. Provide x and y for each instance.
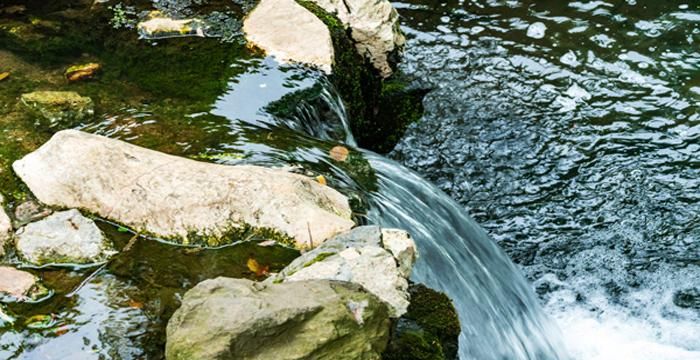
(571, 131)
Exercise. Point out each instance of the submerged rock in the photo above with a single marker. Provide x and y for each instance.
(360, 256)
(159, 26)
(374, 26)
(30, 211)
(5, 226)
(291, 33)
(82, 71)
(59, 107)
(178, 198)
(19, 284)
(63, 238)
(238, 319)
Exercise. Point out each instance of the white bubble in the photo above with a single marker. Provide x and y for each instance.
(536, 30)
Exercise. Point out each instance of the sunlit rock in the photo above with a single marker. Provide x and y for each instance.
(59, 107)
(536, 30)
(374, 26)
(289, 32)
(361, 257)
(180, 199)
(20, 285)
(82, 71)
(5, 226)
(65, 237)
(228, 318)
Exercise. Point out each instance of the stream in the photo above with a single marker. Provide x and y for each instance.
(552, 185)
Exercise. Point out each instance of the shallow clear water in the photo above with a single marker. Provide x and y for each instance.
(571, 131)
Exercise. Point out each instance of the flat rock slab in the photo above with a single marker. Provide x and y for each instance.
(59, 107)
(361, 256)
(291, 33)
(18, 284)
(177, 198)
(238, 319)
(65, 237)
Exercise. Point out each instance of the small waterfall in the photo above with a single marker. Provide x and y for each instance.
(500, 316)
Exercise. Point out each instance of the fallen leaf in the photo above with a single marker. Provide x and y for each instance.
(4, 75)
(82, 72)
(321, 180)
(135, 304)
(40, 321)
(256, 268)
(339, 153)
(61, 330)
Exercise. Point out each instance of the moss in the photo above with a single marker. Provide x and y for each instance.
(319, 258)
(410, 342)
(402, 105)
(435, 313)
(235, 233)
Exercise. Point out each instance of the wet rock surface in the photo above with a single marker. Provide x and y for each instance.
(360, 256)
(65, 237)
(59, 107)
(239, 319)
(5, 226)
(178, 198)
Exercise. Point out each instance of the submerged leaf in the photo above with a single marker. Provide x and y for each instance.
(256, 268)
(321, 180)
(339, 153)
(4, 75)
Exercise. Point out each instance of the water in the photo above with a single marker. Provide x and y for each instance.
(570, 130)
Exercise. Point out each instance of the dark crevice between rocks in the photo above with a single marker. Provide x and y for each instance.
(428, 331)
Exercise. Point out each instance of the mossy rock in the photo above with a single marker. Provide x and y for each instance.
(428, 331)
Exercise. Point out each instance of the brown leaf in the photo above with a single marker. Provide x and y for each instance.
(256, 268)
(339, 153)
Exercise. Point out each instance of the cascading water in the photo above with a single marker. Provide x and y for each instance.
(500, 316)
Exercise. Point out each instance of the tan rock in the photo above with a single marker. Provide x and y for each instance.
(289, 32)
(174, 197)
(374, 27)
(5, 226)
(16, 283)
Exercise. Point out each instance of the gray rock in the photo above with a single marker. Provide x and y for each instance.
(30, 211)
(59, 107)
(20, 285)
(289, 32)
(178, 198)
(5, 226)
(63, 238)
(374, 26)
(238, 319)
(360, 256)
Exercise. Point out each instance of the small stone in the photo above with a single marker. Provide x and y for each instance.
(29, 211)
(159, 26)
(19, 284)
(63, 238)
(536, 30)
(82, 71)
(59, 107)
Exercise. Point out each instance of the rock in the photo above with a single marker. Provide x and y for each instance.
(159, 26)
(402, 247)
(30, 211)
(687, 298)
(82, 71)
(238, 319)
(59, 107)
(20, 285)
(358, 256)
(5, 226)
(374, 26)
(65, 237)
(181, 199)
(289, 32)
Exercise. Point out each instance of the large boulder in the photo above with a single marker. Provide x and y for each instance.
(65, 237)
(238, 319)
(374, 26)
(291, 33)
(5, 226)
(364, 257)
(181, 199)
(20, 285)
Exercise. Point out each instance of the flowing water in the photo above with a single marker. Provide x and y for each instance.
(570, 130)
